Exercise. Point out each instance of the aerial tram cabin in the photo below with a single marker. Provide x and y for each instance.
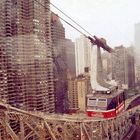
(105, 104)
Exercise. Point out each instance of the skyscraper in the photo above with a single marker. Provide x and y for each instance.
(137, 50)
(119, 65)
(78, 88)
(123, 70)
(82, 54)
(60, 66)
(131, 67)
(26, 54)
(3, 55)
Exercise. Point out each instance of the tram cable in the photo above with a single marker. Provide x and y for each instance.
(67, 17)
(67, 21)
(70, 18)
(93, 39)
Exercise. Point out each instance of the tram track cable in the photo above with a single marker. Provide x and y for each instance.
(93, 39)
(70, 18)
(66, 20)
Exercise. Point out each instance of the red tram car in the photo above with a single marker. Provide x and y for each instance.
(105, 105)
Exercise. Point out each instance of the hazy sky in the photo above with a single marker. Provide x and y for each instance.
(112, 19)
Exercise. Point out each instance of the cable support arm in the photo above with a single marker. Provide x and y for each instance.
(100, 42)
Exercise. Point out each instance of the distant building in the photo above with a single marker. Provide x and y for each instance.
(82, 54)
(60, 63)
(123, 66)
(107, 66)
(131, 67)
(78, 88)
(119, 65)
(70, 58)
(137, 51)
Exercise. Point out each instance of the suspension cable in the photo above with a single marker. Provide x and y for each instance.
(93, 41)
(67, 21)
(70, 19)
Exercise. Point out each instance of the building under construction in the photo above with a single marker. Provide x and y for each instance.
(26, 65)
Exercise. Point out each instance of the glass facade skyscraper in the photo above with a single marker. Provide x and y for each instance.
(26, 55)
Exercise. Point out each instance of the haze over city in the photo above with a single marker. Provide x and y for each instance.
(62, 83)
(111, 19)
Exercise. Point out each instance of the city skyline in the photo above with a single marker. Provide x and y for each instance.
(53, 89)
(115, 22)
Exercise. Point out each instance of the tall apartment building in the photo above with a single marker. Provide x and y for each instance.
(123, 66)
(60, 63)
(70, 58)
(3, 55)
(119, 69)
(82, 54)
(78, 88)
(26, 54)
(137, 50)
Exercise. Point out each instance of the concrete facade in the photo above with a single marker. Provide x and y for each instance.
(78, 88)
(82, 54)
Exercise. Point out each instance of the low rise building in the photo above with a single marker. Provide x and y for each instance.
(78, 88)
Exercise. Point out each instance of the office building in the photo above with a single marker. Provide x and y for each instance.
(119, 69)
(60, 63)
(137, 51)
(123, 70)
(82, 54)
(78, 88)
